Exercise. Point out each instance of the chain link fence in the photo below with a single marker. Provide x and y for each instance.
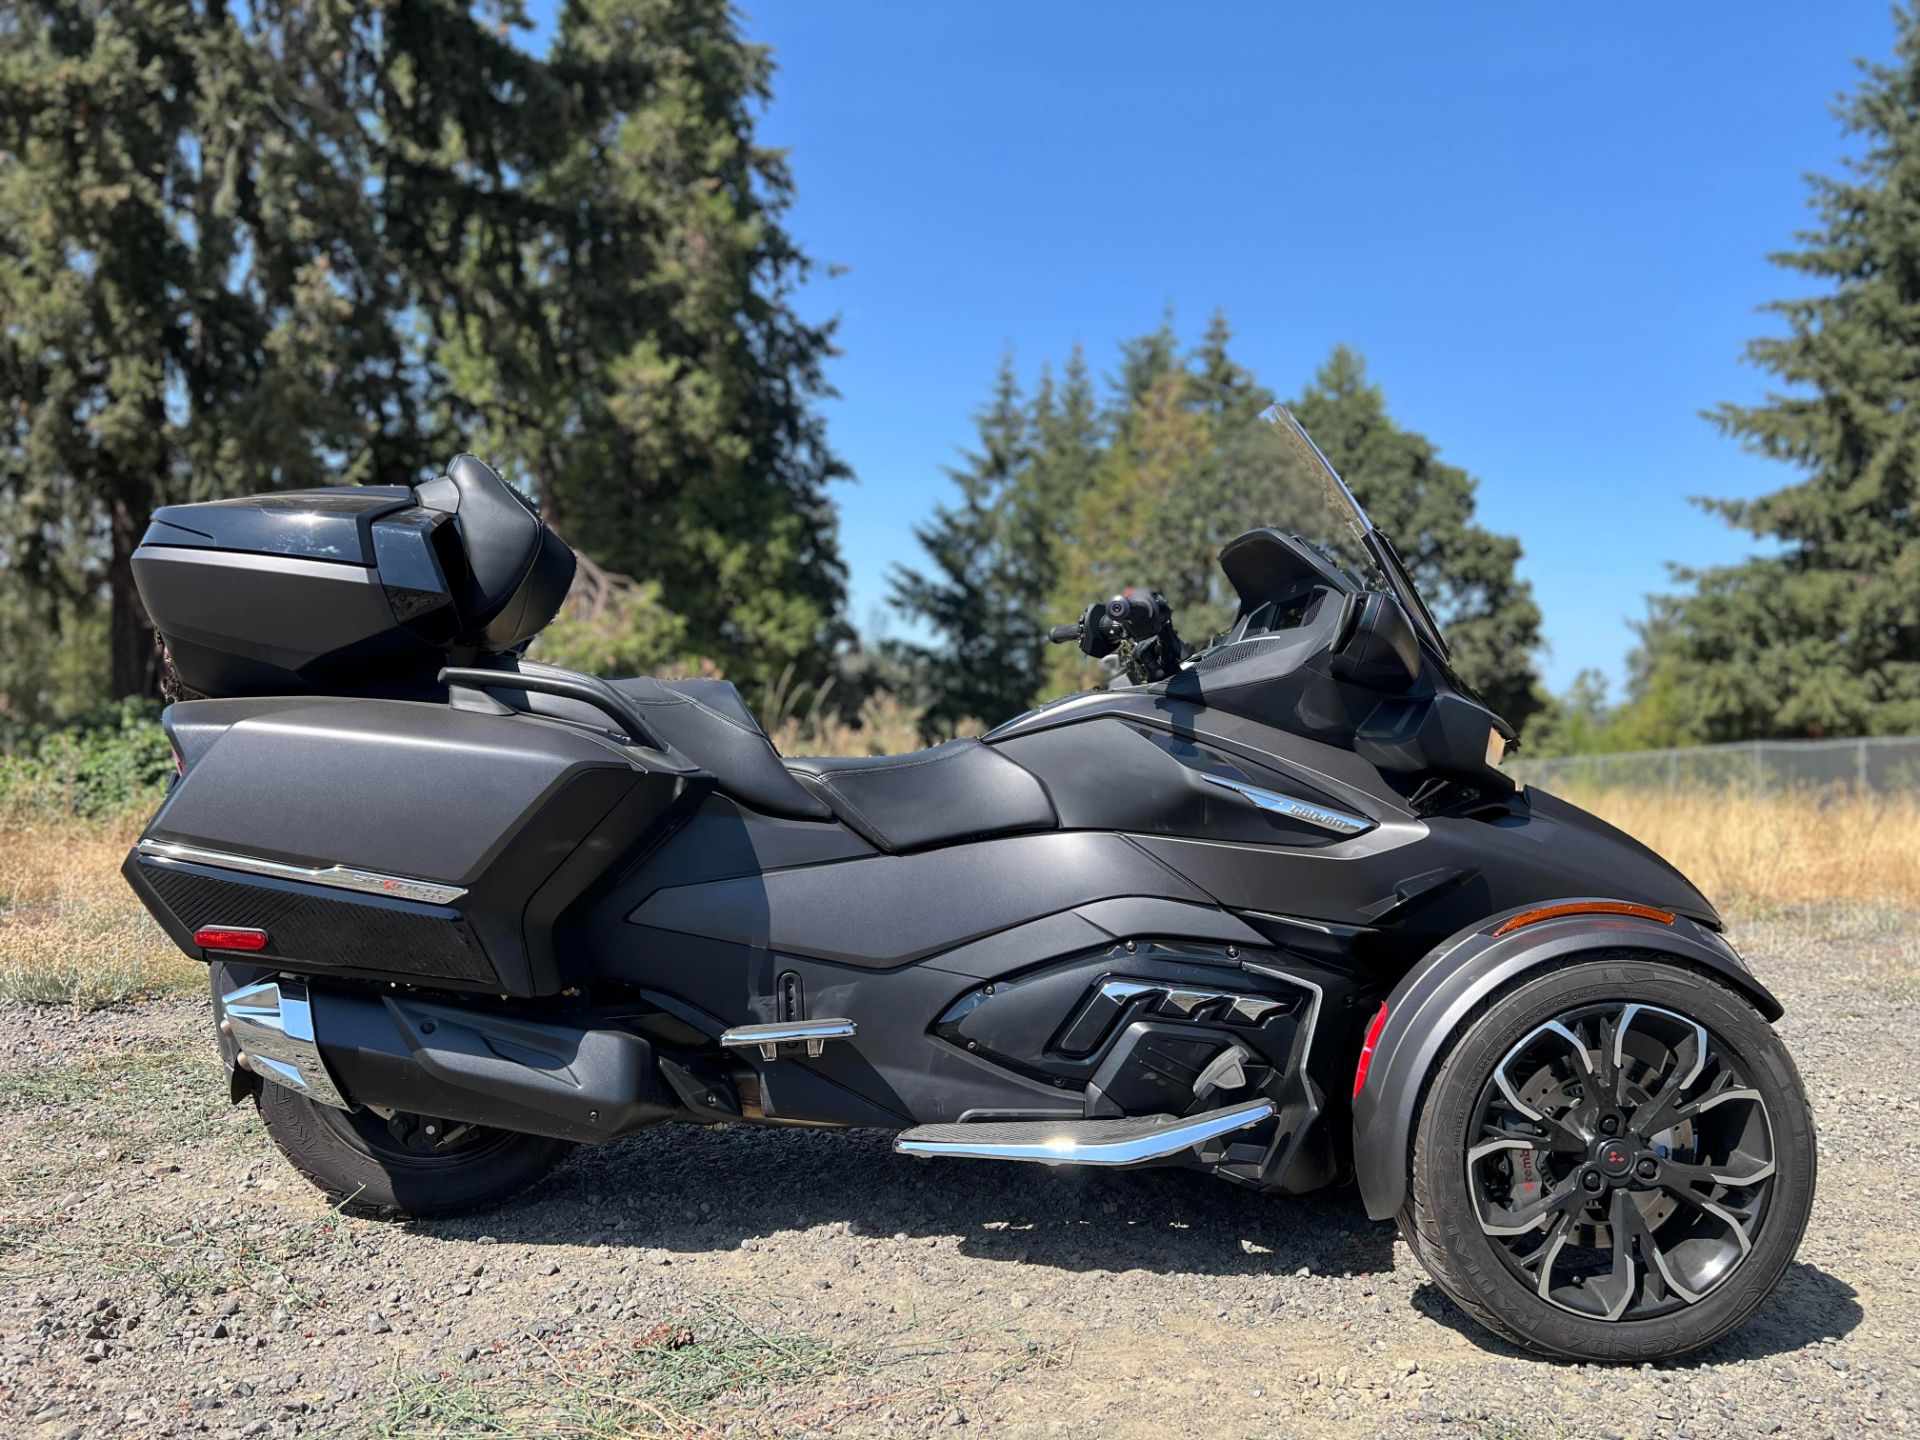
(1885, 763)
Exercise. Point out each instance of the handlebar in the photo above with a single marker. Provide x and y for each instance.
(1139, 627)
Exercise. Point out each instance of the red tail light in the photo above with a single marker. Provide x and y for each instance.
(1374, 1028)
(227, 937)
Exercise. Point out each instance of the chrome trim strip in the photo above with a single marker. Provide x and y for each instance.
(1182, 1001)
(1061, 1148)
(769, 1038)
(1304, 1047)
(1326, 818)
(271, 1024)
(337, 877)
(348, 570)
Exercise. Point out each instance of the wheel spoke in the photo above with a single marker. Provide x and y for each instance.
(1539, 1264)
(1574, 1044)
(1737, 1171)
(1734, 1218)
(1667, 1277)
(1689, 1058)
(1617, 1290)
(1500, 1220)
(1723, 1091)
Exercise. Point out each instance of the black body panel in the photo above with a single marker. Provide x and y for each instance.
(330, 525)
(310, 925)
(491, 1067)
(309, 625)
(908, 907)
(1112, 774)
(450, 786)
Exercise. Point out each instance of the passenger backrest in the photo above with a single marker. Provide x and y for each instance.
(518, 570)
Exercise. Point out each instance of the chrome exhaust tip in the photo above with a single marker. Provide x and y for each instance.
(271, 1026)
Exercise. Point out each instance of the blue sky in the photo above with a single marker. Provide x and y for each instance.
(1545, 226)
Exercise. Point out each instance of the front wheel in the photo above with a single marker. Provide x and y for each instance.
(404, 1165)
(1613, 1162)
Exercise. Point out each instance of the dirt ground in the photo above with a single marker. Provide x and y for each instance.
(163, 1273)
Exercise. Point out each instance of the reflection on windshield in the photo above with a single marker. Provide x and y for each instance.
(1359, 549)
(1316, 505)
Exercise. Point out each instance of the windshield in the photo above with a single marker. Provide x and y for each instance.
(1314, 503)
(1323, 512)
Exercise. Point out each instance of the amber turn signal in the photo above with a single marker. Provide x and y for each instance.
(1582, 907)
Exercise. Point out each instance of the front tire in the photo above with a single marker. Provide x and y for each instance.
(1613, 1162)
(403, 1166)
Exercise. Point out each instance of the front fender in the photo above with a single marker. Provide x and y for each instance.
(1438, 995)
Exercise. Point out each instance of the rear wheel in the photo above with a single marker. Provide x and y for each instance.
(401, 1164)
(1614, 1162)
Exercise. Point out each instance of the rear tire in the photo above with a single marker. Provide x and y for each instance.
(1699, 1255)
(365, 1166)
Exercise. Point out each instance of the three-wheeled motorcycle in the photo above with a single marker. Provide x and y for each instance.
(1268, 907)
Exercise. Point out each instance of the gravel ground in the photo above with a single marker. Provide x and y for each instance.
(162, 1272)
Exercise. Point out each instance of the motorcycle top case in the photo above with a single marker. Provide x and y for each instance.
(355, 589)
(402, 841)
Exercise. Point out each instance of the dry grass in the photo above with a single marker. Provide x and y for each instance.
(71, 931)
(1775, 851)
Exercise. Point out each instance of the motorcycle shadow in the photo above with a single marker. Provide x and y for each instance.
(691, 1191)
(1810, 1307)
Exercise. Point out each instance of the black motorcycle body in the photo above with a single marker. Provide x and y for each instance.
(1171, 922)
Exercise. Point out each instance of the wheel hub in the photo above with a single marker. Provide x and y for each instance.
(1614, 1159)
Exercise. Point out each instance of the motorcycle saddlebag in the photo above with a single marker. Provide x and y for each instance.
(389, 840)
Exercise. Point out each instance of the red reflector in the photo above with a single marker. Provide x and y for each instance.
(1374, 1027)
(226, 937)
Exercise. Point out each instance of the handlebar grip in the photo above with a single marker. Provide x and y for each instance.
(1137, 615)
(1064, 634)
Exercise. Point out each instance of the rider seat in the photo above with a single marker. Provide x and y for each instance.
(951, 792)
(954, 791)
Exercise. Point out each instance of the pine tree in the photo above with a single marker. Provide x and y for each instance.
(1066, 446)
(1467, 574)
(971, 599)
(652, 382)
(279, 244)
(199, 289)
(1823, 636)
(1124, 533)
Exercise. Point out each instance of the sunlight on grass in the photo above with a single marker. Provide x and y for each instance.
(71, 932)
(1780, 850)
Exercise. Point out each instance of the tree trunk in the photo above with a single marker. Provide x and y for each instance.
(136, 661)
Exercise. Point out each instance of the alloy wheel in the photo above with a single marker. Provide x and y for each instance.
(1621, 1161)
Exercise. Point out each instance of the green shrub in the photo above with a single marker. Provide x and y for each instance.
(112, 759)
